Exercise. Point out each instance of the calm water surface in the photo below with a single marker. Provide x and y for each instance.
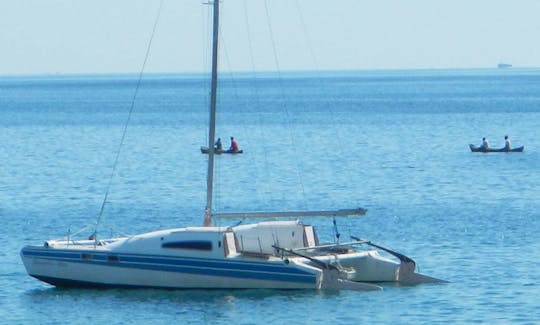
(395, 143)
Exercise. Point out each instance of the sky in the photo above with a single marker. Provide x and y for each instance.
(111, 36)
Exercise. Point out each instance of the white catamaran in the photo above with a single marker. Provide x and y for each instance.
(270, 254)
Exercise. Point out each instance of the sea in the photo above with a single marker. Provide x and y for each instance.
(393, 142)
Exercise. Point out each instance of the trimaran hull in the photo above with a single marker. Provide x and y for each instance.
(66, 273)
(71, 272)
(242, 257)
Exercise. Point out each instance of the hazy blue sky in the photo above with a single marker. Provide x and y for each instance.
(102, 36)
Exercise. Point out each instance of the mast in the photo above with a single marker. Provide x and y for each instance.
(212, 128)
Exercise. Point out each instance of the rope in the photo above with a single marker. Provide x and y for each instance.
(206, 35)
(299, 174)
(329, 98)
(257, 100)
(128, 118)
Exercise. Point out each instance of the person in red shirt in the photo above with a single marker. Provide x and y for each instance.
(234, 145)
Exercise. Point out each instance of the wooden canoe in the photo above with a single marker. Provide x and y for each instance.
(205, 150)
(480, 149)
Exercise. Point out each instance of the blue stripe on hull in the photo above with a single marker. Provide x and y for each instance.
(162, 260)
(210, 267)
(66, 283)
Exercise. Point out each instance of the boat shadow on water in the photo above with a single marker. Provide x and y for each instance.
(217, 296)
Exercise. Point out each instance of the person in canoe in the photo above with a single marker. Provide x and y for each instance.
(485, 144)
(234, 145)
(506, 143)
(218, 145)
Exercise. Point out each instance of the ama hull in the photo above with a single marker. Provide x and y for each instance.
(480, 149)
(371, 267)
(366, 266)
(66, 268)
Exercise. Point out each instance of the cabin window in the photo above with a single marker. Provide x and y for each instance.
(112, 258)
(201, 245)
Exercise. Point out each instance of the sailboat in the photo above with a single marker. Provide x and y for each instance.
(270, 254)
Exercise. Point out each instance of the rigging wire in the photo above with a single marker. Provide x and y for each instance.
(139, 79)
(236, 99)
(206, 18)
(223, 45)
(254, 84)
(206, 35)
(287, 113)
(233, 81)
(328, 99)
(223, 49)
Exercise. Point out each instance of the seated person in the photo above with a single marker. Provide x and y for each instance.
(234, 145)
(485, 144)
(218, 145)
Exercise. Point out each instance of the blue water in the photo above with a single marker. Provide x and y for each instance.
(393, 142)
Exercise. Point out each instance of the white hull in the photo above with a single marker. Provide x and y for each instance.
(74, 274)
(161, 260)
(242, 257)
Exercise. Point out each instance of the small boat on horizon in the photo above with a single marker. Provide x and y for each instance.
(482, 149)
(504, 65)
(205, 150)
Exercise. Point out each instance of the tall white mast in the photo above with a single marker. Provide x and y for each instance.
(212, 129)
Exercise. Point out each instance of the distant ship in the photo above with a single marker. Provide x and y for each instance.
(504, 65)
